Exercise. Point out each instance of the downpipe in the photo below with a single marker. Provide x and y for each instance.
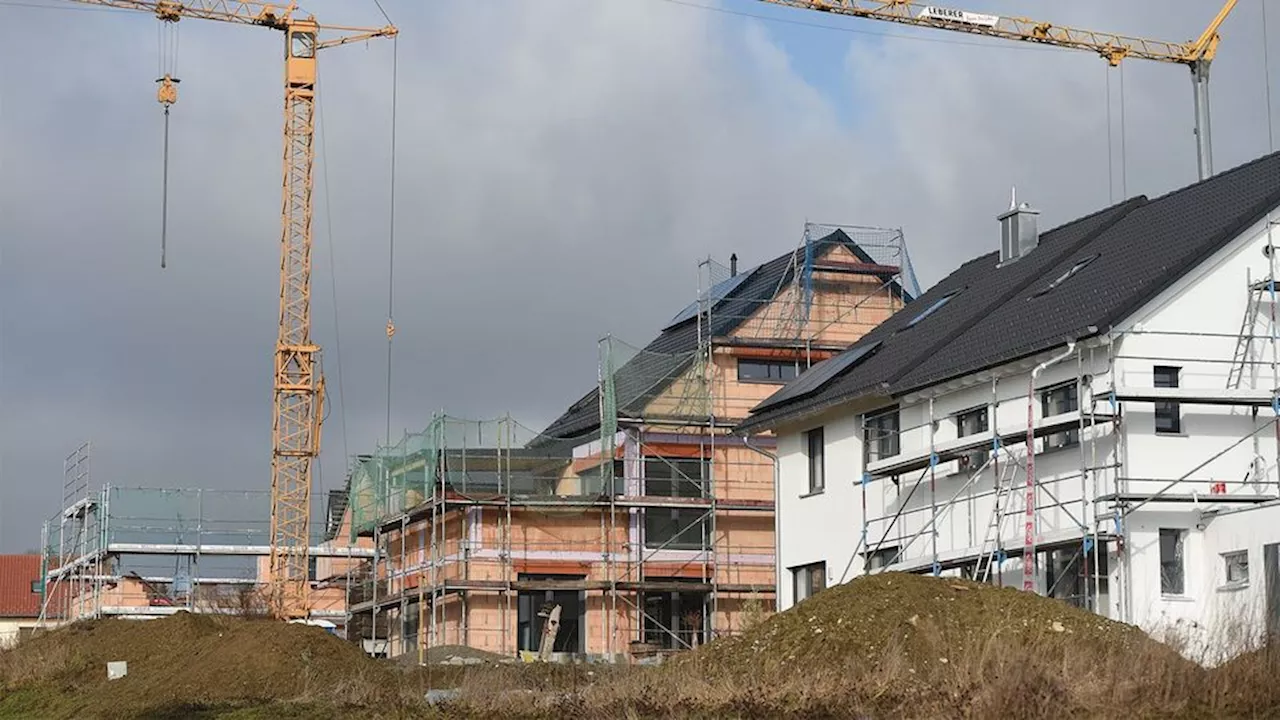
(1029, 527)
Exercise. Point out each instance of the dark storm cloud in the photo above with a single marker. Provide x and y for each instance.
(562, 165)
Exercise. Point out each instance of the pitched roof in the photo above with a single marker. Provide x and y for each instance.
(17, 574)
(667, 354)
(1127, 254)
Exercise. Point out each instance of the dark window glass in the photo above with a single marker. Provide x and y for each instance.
(1058, 400)
(880, 436)
(1168, 414)
(767, 370)
(817, 460)
(1171, 571)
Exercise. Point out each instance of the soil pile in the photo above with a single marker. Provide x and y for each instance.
(900, 645)
(191, 660)
(923, 621)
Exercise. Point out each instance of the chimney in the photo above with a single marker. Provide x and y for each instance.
(733, 265)
(1019, 233)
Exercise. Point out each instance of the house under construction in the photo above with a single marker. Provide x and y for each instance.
(634, 512)
(147, 552)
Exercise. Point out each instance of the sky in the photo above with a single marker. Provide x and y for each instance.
(560, 168)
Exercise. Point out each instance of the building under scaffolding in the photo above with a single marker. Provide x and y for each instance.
(146, 552)
(635, 512)
(1092, 414)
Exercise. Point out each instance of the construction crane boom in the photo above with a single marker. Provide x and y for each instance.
(298, 384)
(1196, 54)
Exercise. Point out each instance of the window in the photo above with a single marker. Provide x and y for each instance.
(935, 307)
(679, 528)
(767, 370)
(36, 586)
(533, 607)
(817, 460)
(302, 44)
(592, 481)
(674, 620)
(1237, 567)
(808, 580)
(1172, 581)
(972, 422)
(881, 558)
(1168, 414)
(1077, 267)
(1058, 400)
(880, 435)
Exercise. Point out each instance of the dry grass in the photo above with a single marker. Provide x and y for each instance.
(900, 647)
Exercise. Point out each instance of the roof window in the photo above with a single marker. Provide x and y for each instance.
(937, 305)
(1077, 267)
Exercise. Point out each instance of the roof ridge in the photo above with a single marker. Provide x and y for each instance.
(1225, 173)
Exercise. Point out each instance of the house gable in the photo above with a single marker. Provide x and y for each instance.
(755, 312)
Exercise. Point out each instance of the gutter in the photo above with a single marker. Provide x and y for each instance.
(777, 519)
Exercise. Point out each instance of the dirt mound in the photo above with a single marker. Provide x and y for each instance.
(192, 660)
(923, 620)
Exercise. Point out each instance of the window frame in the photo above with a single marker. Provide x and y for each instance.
(675, 528)
(782, 366)
(880, 558)
(802, 576)
(1065, 438)
(817, 466)
(1171, 584)
(893, 438)
(1170, 412)
(1227, 558)
(975, 458)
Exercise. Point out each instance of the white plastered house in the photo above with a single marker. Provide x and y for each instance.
(1135, 349)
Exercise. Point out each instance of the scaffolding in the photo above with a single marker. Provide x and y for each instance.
(147, 552)
(959, 483)
(641, 517)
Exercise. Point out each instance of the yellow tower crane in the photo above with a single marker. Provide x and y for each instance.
(1195, 54)
(299, 386)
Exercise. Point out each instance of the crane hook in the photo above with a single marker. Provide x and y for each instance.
(167, 95)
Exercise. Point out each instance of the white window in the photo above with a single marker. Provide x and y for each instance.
(808, 580)
(1172, 572)
(1236, 565)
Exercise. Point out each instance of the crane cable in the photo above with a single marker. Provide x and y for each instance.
(391, 239)
(1266, 76)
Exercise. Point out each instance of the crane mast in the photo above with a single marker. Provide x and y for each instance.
(1196, 54)
(298, 384)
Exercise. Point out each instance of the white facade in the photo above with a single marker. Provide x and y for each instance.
(1205, 482)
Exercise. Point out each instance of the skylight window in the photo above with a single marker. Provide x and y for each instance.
(1077, 267)
(937, 305)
